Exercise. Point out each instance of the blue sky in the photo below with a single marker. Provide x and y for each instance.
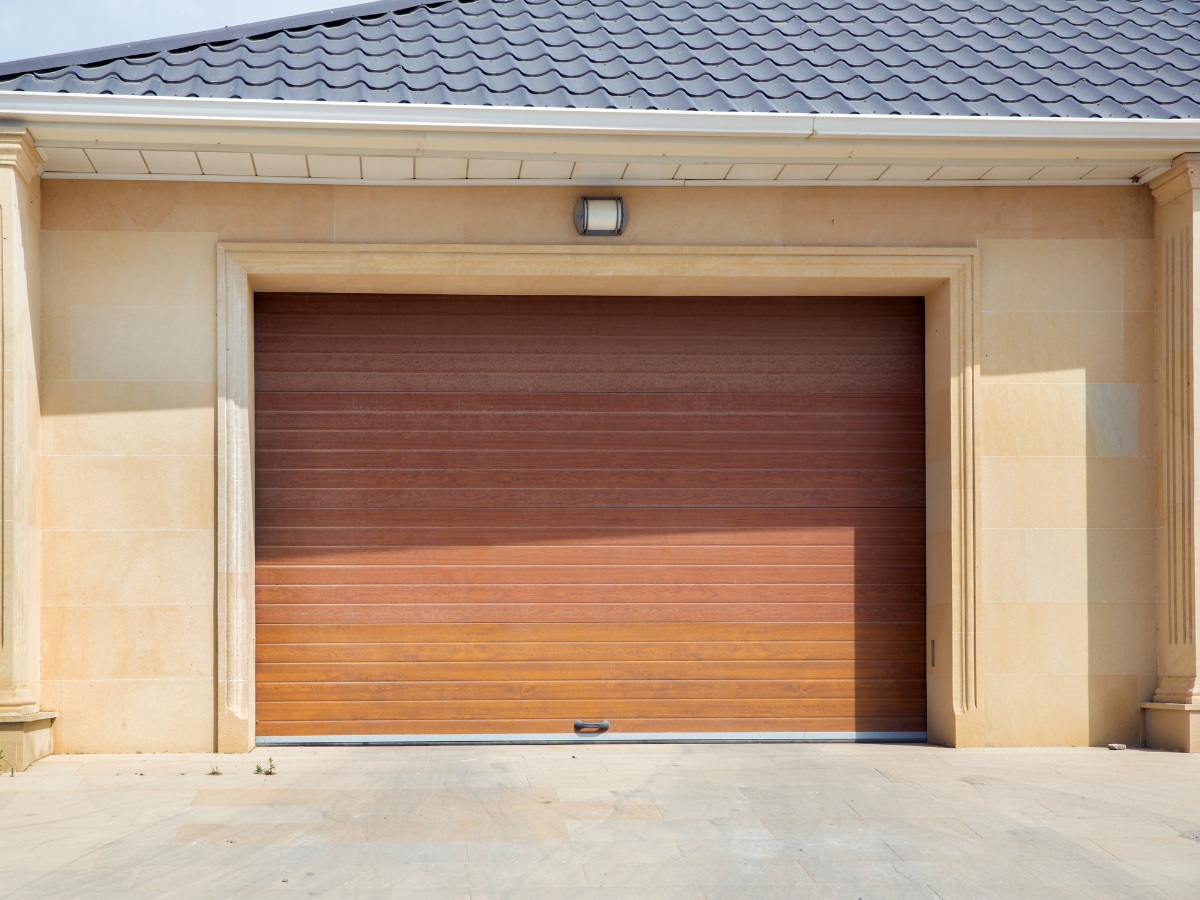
(42, 27)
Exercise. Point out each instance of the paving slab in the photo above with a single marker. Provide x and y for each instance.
(654, 822)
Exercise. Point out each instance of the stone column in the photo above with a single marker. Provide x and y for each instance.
(24, 730)
(1173, 718)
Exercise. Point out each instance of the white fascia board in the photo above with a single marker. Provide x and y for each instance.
(28, 107)
(91, 120)
(34, 107)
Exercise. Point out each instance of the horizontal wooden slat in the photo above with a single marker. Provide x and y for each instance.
(904, 342)
(627, 520)
(590, 554)
(588, 612)
(881, 403)
(535, 631)
(399, 363)
(616, 575)
(488, 514)
(564, 594)
(357, 690)
(601, 382)
(570, 653)
(673, 442)
(885, 422)
(333, 667)
(551, 325)
(612, 708)
(583, 540)
(590, 479)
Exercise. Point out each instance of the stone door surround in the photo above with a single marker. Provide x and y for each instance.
(947, 278)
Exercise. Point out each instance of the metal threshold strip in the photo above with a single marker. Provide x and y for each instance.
(733, 737)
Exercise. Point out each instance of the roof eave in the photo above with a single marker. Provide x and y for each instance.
(99, 120)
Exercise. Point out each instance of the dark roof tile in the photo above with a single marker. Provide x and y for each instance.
(1079, 58)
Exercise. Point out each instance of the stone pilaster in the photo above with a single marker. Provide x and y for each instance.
(24, 729)
(1173, 718)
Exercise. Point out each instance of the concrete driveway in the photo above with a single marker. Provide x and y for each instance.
(696, 821)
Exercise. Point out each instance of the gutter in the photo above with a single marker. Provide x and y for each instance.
(31, 109)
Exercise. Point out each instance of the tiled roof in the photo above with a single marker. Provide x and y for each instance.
(1060, 58)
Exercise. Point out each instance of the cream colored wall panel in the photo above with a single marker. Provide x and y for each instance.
(165, 715)
(1122, 639)
(953, 216)
(1121, 566)
(172, 162)
(1053, 275)
(849, 217)
(142, 343)
(1036, 638)
(1034, 419)
(1139, 347)
(1065, 492)
(387, 168)
(130, 568)
(755, 217)
(1057, 567)
(1073, 213)
(1112, 420)
(1034, 492)
(1139, 272)
(216, 162)
(1053, 347)
(131, 418)
(122, 268)
(547, 218)
(105, 642)
(281, 165)
(118, 206)
(1037, 710)
(267, 212)
(325, 166)
(1003, 564)
(95, 493)
(1113, 713)
(55, 357)
(414, 214)
(118, 162)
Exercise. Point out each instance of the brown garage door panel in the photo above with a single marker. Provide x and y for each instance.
(498, 515)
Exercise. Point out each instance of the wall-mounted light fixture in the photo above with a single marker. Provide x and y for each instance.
(600, 216)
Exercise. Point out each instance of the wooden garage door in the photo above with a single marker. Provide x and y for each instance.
(500, 515)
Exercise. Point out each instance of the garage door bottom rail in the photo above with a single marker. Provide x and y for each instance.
(734, 737)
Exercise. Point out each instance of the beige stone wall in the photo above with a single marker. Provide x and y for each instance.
(1065, 411)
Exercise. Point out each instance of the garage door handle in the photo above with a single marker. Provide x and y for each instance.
(591, 727)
